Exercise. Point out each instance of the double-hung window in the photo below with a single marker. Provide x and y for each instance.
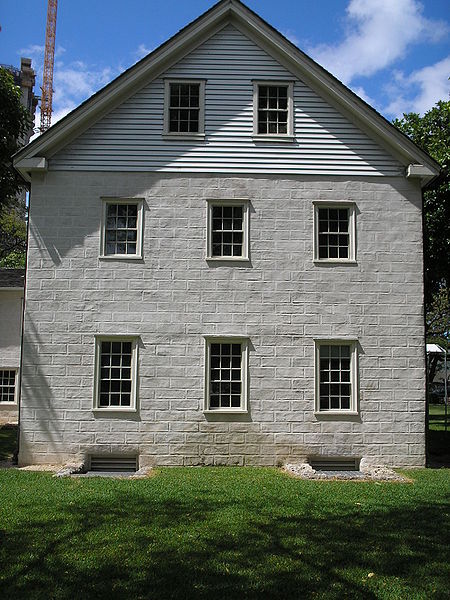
(273, 109)
(227, 230)
(336, 376)
(334, 232)
(226, 374)
(122, 228)
(115, 373)
(8, 387)
(184, 108)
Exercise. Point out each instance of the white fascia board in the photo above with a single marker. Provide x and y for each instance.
(26, 166)
(425, 174)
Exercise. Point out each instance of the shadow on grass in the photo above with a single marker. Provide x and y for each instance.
(165, 549)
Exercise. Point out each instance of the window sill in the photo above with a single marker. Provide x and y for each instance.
(6, 403)
(114, 410)
(336, 413)
(334, 261)
(225, 411)
(273, 138)
(135, 257)
(228, 259)
(183, 136)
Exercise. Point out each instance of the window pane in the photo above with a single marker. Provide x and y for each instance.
(334, 377)
(225, 382)
(227, 230)
(115, 382)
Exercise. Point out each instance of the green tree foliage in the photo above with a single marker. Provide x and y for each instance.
(15, 122)
(432, 133)
(13, 232)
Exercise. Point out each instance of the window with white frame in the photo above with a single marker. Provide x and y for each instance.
(116, 373)
(226, 374)
(8, 385)
(184, 107)
(273, 108)
(227, 230)
(122, 228)
(334, 229)
(336, 376)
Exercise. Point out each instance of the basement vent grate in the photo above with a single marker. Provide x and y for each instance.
(329, 463)
(114, 464)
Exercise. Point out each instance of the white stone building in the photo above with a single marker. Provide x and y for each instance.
(225, 264)
(11, 305)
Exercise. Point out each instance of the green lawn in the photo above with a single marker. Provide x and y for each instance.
(438, 438)
(223, 533)
(436, 417)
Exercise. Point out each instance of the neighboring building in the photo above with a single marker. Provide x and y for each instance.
(11, 305)
(225, 264)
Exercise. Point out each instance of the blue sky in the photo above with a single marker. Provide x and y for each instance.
(393, 53)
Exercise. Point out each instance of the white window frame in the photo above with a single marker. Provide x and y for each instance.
(244, 342)
(201, 115)
(134, 339)
(354, 382)
(351, 206)
(287, 137)
(16, 387)
(244, 203)
(140, 228)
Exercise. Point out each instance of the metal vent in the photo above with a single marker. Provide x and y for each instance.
(114, 464)
(331, 463)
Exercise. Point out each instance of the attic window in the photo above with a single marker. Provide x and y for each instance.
(184, 108)
(273, 109)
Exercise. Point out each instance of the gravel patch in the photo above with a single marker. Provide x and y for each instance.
(366, 473)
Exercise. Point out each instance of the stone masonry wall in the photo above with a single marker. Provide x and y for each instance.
(171, 299)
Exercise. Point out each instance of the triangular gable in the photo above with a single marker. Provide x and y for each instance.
(417, 162)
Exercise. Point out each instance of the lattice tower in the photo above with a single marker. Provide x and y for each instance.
(49, 60)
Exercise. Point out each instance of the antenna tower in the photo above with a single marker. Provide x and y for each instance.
(49, 59)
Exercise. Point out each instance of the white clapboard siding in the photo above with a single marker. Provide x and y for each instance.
(130, 137)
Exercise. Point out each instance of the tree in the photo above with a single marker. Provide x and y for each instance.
(432, 133)
(15, 122)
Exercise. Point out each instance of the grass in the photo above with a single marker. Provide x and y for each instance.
(223, 533)
(436, 417)
(438, 438)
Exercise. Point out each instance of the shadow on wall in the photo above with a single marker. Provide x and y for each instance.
(37, 400)
(227, 547)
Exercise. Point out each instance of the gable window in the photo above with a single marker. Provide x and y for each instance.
(273, 109)
(227, 233)
(334, 232)
(184, 107)
(336, 376)
(116, 372)
(8, 385)
(122, 228)
(226, 374)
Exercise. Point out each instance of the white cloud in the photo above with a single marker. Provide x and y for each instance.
(291, 36)
(361, 92)
(379, 32)
(141, 51)
(433, 84)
